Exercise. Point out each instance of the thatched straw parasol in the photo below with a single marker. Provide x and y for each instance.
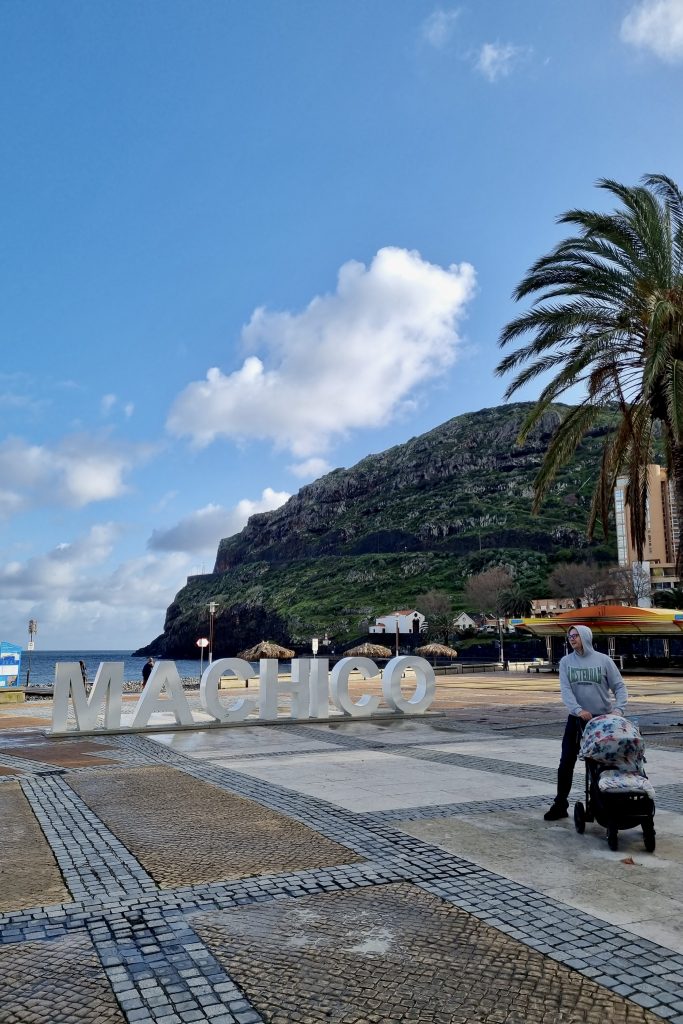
(368, 651)
(437, 651)
(266, 649)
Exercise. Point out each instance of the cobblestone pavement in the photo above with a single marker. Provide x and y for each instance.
(55, 980)
(394, 954)
(210, 888)
(213, 834)
(29, 874)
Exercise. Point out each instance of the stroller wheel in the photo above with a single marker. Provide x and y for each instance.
(649, 837)
(579, 817)
(613, 838)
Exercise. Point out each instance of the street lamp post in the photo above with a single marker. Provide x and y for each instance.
(32, 630)
(212, 615)
(398, 634)
(500, 640)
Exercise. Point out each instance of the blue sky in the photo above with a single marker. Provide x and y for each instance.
(245, 242)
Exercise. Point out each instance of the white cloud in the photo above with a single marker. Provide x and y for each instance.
(79, 470)
(80, 602)
(439, 27)
(11, 503)
(310, 469)
(201, 531)
(656, 25)
(108, 402)
(496, 60)
(12, 400)
(349, 360)
(57, 571)
(141, 585)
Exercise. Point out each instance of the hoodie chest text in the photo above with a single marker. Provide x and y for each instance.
(585, 676)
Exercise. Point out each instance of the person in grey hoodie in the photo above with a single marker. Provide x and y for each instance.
(586, 679)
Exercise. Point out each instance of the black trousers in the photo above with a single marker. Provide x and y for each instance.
(570, 749)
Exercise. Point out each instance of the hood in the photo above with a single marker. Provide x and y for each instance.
(586, 635)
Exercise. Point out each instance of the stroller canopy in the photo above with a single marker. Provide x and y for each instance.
(613, 741)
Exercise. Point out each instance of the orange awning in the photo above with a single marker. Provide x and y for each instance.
(608, 620)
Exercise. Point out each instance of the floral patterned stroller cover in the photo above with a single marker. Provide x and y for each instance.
(615, 743)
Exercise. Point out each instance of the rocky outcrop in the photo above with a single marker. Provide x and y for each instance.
(460, 484)
(423, 514)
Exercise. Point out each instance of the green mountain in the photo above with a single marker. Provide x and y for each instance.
(361, 542)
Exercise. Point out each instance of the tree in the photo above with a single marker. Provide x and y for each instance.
(437, 608)
(672, 598)
(516, 600)
(607, 314)
(486, 591)
(630, 583)
(578, 580)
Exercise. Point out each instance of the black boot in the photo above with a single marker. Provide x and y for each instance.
(556, 812)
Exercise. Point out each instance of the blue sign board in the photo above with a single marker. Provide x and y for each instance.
(10, 664)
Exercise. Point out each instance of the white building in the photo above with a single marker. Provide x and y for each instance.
(409, 621)
(552, 605)
(464, 621)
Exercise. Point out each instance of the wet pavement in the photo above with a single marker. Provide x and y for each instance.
(356, 872)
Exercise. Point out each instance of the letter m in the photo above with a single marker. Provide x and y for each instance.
(107, 689)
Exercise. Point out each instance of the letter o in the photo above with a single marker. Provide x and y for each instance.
(424, 690)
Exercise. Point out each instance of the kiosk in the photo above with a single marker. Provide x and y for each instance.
(10, 666)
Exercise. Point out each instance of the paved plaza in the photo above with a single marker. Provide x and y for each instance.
(351, 872)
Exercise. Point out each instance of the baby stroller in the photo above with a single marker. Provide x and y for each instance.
(618, 793)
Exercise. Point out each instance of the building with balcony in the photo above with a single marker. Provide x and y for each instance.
(662, 529)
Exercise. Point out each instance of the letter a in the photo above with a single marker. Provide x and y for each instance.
(163, 675)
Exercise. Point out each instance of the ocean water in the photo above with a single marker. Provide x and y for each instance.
(42, 665)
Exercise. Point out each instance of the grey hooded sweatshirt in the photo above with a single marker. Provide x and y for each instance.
(586, 679)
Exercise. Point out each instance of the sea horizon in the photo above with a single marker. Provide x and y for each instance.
(38, 667)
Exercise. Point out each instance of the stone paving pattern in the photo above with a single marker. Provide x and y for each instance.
(185, 831)
(393, 954)
(221, 920)
(54, 983)
(29, 875)
(72, 753)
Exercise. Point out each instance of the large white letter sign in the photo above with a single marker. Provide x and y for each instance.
(308, 686)
(339, 686)
(163, 675)
(208, 690)
(270, 688)
(424, 690)
(319, 687)
(107, 687)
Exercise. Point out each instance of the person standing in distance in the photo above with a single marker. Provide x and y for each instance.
(586, 679)
(147, 670)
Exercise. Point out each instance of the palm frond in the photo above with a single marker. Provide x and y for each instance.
(566, 440)
(606, 312)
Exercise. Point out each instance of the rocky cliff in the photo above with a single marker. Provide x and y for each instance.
(360, 541)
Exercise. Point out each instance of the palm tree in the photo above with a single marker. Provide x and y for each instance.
(516, 600)
(607, 314)
(672, 598)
